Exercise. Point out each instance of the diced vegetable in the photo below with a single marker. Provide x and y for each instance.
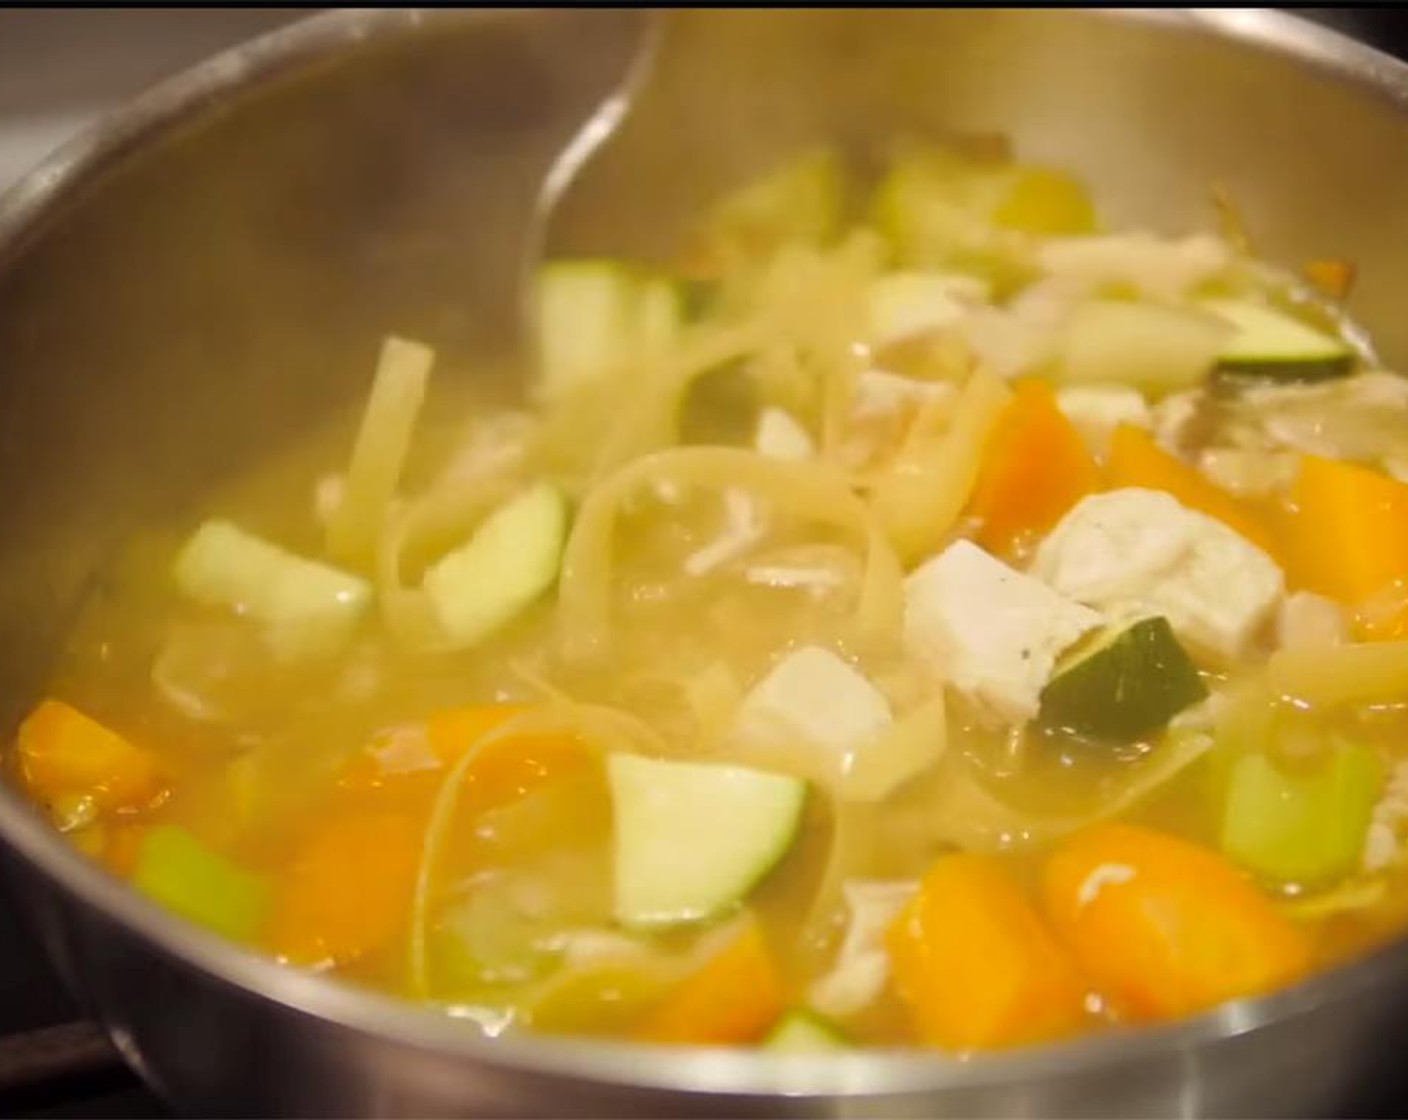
(1270, 344)
(347, 890)
(415, 751)
(512, 559)
(1301, 828)
(64, 753)
(938, 208)
(799, 202)
(780, 436)
(1348, 536)
(804, 1032)
(1046, 201)
(1334, 278)
(1156, 348)
(1166, 928)
(904, 304)
(731, 1000)
(1035, 467)
(1136, 461)
(1163, 269)
(1129, 685)
(178, 871)
(306, 608)
(976, 965)
(355, 520)
(692, 839)
(595, 317)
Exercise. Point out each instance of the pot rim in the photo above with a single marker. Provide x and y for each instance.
(26, 209)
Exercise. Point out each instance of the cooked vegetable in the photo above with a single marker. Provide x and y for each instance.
(63, 753)
(1135, 460)
(1155, 348)
(347, 890)
(733, 998)
(511, 560)
(1046, 200)
(1164, 927)
(797, 202)
(1348, 536)
(1035, 467)
(976, 966)
(306, 608)
(674, 862)
(804, 1032)
(595, 318)
(1301, 828)
(1126, 685)
(178, 871)
(1272, 345)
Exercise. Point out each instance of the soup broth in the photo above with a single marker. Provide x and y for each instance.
(914, 617)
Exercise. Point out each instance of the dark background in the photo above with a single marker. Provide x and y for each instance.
(60, 70)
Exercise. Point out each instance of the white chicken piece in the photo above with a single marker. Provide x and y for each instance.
(1097, 410)
(814, 696)
(1310, 621)
(1141, 549)
(781, 436)
(991, 631)
(862, 966)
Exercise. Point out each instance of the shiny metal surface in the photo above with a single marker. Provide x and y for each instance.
(197, 283)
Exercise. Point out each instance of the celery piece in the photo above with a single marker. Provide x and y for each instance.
(1300, 828)
(202, 886)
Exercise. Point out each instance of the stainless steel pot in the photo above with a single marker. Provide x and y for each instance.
(205, 275)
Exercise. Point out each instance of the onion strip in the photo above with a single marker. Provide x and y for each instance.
(809, 490)
(379, 452)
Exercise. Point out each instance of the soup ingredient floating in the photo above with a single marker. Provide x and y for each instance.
(911, 614)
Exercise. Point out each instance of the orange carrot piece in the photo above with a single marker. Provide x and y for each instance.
(1348, 538)
(1137, 461)
(347, 890)
(65, 753)
(976, 965)
(1035, 467)
(122, 844)
(732, 1000)
(507, 769)
(1164, 927)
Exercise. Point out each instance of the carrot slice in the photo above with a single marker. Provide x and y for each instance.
(1137, 461)
(410, 762)
(347, 890)
(65, 753)
(1035, 467)
(1348, 538)
(732, 1000)
(1165, 927)
(977, 966)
